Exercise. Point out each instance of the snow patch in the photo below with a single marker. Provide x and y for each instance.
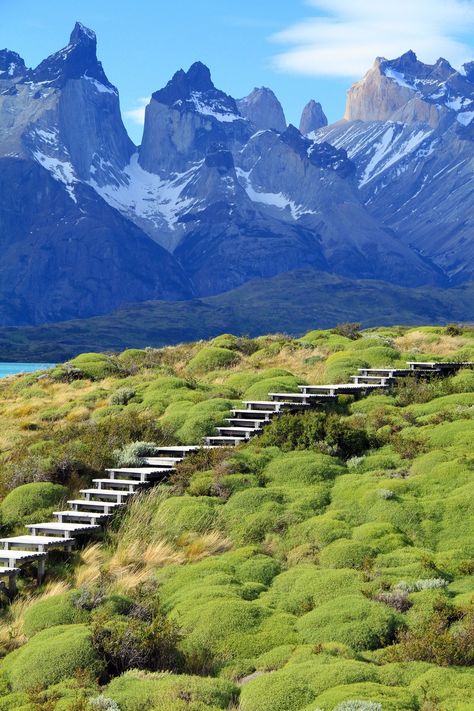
(101, 88)
(465, 118)
(458, 103)
(61, 170)
(279, 200)
(213, 108)
(147, 196)
(398, 77)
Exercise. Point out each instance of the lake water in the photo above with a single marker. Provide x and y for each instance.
(12, 368)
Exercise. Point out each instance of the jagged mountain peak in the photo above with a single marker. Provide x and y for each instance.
(194, 91)
(262, 108)
(407, 90)
(183, 85)
(82, 34)
(313, 117)
(75, 61)
(11, 65)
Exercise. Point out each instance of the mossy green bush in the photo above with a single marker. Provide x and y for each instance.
(30, 500)
(201, 420)
(302, 468)
(52, 611)
(250, 514)
(345, 553)
(212, 358)
(51, 656)
(142, 691)
(352, 620)
(261, 389)
(306, 587)
(258, 569)
(180, 515)
(350, 697)
(95, 366)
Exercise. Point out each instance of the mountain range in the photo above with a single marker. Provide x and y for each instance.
(222, 191)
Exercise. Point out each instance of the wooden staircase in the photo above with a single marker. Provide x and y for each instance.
(88, 514)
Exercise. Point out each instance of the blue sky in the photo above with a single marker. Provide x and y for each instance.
(302, 49)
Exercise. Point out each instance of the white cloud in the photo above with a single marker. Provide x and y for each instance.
(137, 115)
(345, 36)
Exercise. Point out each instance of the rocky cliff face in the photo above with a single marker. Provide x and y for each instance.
(65, 114)
(313, 118)
(409, 91)
(262, 108)
(410, 133)
(185, 119)
(65, 258)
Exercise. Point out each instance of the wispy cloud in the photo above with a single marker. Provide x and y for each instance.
(137, 115)
(343, 37)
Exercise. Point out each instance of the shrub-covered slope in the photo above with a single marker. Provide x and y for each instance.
(328, 564)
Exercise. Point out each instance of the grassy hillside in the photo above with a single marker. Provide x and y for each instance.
(328, 564)
(292, 302)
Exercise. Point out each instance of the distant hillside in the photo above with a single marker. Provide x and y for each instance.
(292, 303)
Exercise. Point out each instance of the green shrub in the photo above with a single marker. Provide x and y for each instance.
(352, 620)
(389, 698)
(29, 500)
(122, 396)
(131, 455)
(344, 553)
(129, 642)
(52, 655)
(212, 358)
(186, 514)
(53, 611)
(95, 366)
(261, 389)
(258, 569)
(202, 419)
(302, 468)
(141, 691)
(305, 587)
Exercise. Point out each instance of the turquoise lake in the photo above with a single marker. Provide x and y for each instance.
(12, 368)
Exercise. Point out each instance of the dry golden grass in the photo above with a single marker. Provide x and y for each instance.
(89, 571)
(11, 626)
(437, 344)
(198, 547)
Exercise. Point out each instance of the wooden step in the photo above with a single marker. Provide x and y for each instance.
(340, 389)
(246, 422)
(179, 451)
(245, 432)
(142, 474)
(165, 462)
(105, 495)
(81, 516)
(441, 366)
(17, 556)
(221, 441)
(385, 372)
(131, 485)
(267, 405)
(372, 379)
(262, 415)
(38, 543)
(293, 398)
(97, 506)
(62, 530)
